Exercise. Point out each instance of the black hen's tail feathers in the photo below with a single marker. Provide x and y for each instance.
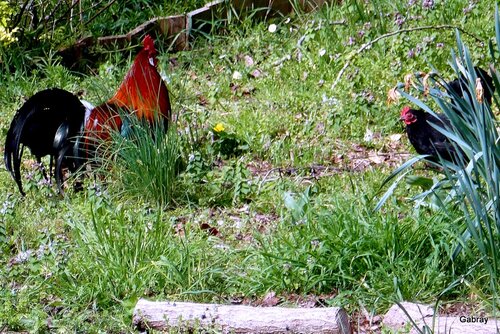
(458, 87)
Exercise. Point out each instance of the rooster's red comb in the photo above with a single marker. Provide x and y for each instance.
(149, 43)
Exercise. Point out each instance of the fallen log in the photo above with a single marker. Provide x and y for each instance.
(239, 318)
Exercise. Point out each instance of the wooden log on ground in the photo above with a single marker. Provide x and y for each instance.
(239, 318)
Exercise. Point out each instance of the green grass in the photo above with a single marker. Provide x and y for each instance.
(246, 215)
(147, 161)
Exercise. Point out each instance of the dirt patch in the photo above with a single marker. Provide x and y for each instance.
(357, 158)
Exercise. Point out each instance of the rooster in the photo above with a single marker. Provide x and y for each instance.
(47, 123)
(142, 92)
(55, 122)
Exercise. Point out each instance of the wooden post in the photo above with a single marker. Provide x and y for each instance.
(174, 29)
(239, 318)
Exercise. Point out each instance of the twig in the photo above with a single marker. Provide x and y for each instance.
(63, 17)
(19, 16)
(369, 44)
(282, 60)
(266, 176)
(99, 12)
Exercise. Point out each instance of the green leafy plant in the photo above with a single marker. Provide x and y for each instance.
(472, 184)
(231, 184)
(298, 205)
(197, 167)
(238, 178)
(226, 143)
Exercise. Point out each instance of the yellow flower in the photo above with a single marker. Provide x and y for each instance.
(219, 127)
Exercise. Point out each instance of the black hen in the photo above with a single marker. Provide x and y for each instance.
(426, 139)
(458, 86)
(47, 123)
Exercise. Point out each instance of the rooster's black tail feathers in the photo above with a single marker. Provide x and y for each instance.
(47, 124)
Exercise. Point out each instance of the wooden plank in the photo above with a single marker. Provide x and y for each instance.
(179, 28)
(174, 29)
(239, 318)
(202, 19)
(262, 8)
(312, 5)
(148, 27)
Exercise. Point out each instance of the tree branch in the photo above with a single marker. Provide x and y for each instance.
(392, 33)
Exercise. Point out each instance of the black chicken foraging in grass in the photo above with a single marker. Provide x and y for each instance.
(426, 139)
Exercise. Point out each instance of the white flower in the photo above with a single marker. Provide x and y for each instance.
(272, 28)
(237, 75)
(322, 52)
(368, 137)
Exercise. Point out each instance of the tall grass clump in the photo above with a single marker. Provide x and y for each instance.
(121, 255)
(147, 160)
(471, 186)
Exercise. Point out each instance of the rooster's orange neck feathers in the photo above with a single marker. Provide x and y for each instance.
(143, 90)
(142, 93)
